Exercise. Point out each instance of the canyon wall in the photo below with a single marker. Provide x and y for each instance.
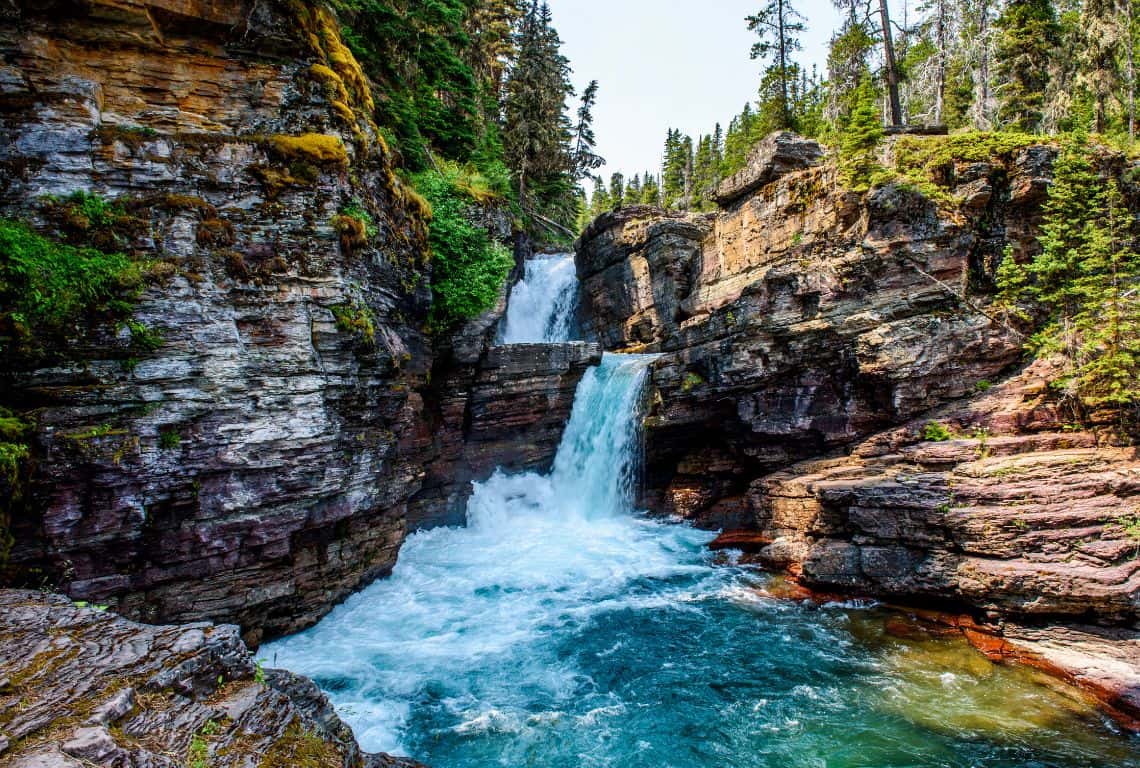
(254, 462)
(802, 322)
(81, 687)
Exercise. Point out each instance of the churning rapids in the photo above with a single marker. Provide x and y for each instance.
(560, 628)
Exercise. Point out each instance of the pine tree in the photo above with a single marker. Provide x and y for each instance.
(704, 169)
(939, 29)
(600, 201)
(779, 26)
(617, 189)
(650, 190)
(1028, 38)
(674, 172)
(585, 157)
(738, 141)
(633, 191)
(859, 138)
(1102, 22)
(490, 26)
(847, 66)
(1085, 282)
(536, 131)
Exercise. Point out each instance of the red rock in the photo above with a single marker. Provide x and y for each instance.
(744, 540)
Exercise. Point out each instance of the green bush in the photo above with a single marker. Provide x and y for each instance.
(48, 288)
(936, 432)
(356, 317)
(469, 267)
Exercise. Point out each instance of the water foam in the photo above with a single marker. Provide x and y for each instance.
(542, 304)
(560, 629)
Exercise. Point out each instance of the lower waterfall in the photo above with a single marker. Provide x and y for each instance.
(562, 629)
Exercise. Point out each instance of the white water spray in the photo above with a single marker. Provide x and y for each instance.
(542, 304)
(467, 615)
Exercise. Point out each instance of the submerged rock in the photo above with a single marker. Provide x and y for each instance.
(85, 687)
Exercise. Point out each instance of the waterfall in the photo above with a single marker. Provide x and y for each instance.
(468, 609)
(541, 306)
(561, 629)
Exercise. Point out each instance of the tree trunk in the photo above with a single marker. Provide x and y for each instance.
(1131, 72)
(982, 120)
(892, 66)
(785, 117)
(940, 77)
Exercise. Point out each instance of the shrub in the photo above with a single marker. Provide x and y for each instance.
(47, 288)
(936, 432)
(169, 439)
(469, 267)
(691, 382)
(356, 317)
(932, 154)
(143, 336)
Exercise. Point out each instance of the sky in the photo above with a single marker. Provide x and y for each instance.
(669, 63)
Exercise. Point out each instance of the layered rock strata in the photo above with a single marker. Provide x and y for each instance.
(81, 687)
(494, 406)
(255, 467)
(804, 317)
(1012, 515)
(837, 389)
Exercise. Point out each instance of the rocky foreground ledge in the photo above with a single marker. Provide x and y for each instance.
(81, 687)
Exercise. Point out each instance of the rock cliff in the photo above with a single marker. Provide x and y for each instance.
(804, 316)
(803, 321)
(79, 686)
(836, 388)
(253, 462)
(255, 466)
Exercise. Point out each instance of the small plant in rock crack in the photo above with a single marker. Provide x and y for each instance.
(982, 435)
(1130, 525)
(936, 432)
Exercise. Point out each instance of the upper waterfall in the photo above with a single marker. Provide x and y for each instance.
(542, 304)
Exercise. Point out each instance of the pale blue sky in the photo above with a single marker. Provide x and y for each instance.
(662, 63)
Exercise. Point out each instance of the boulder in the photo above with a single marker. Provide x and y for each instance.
(780, 153)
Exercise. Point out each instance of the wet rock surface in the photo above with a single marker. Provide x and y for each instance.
(82, 686)
(507, 410)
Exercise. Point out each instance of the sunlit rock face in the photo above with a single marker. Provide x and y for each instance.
(254, 468)
(796, 321)
(803, 320)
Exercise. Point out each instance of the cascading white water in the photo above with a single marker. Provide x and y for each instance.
(542, 303)
(539, 552)
(560, 629)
